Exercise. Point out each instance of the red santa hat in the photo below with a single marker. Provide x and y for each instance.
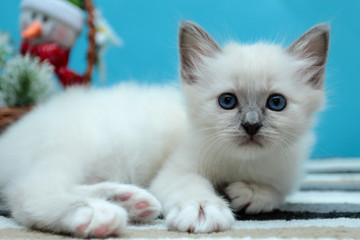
(69, 12)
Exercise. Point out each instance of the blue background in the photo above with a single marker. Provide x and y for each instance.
(149, 54)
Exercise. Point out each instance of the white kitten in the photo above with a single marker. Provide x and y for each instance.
(68, 165)
(250, 112)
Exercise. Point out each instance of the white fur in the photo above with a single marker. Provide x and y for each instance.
(72, 164)
(214, 153)
(83, 137)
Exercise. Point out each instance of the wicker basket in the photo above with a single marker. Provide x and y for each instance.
(10, 115)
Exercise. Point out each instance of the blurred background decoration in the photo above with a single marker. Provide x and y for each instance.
(24, 81)
(148, 52)
(49, 29)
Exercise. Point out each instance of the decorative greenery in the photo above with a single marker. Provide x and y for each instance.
(6, 50)
(24, 80)
(79, 3)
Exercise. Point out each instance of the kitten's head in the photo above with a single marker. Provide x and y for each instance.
(251, 98)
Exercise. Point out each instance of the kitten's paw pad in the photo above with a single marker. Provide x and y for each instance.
(141, 205)
(200, 217)
(253, 198)
(98, 219)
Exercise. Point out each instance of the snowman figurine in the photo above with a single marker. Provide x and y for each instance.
(49, 29)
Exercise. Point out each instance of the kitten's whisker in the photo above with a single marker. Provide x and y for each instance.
(217, 163)
(212, 152)
(206, 148)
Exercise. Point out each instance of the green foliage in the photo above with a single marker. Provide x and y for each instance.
(79, 3)
(6, 50)
(24, 80)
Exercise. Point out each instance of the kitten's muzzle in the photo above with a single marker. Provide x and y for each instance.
(251, 121)
(251, 128)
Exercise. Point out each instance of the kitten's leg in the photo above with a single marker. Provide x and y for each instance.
(140, 204)
(58, 211)
(252, 197)
(189, 202)
(43, 198)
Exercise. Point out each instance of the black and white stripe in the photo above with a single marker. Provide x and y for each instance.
(330, 190)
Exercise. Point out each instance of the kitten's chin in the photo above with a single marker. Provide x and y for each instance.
(251, 142)
(250, 148)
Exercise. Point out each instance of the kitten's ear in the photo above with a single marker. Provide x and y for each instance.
(313, 45)
(194, 44)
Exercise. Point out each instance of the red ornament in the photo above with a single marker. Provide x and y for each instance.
(56, 56)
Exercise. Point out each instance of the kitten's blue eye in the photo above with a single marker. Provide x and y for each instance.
(276, 102)
(227, 101)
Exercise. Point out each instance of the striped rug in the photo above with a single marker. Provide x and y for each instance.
(326, 207)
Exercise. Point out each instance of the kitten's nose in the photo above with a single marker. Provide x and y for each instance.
(251, 128)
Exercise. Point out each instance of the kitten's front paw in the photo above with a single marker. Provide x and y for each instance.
(253, 198)
(200, 217)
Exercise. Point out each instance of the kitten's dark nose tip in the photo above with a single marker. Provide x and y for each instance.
(251, 128)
